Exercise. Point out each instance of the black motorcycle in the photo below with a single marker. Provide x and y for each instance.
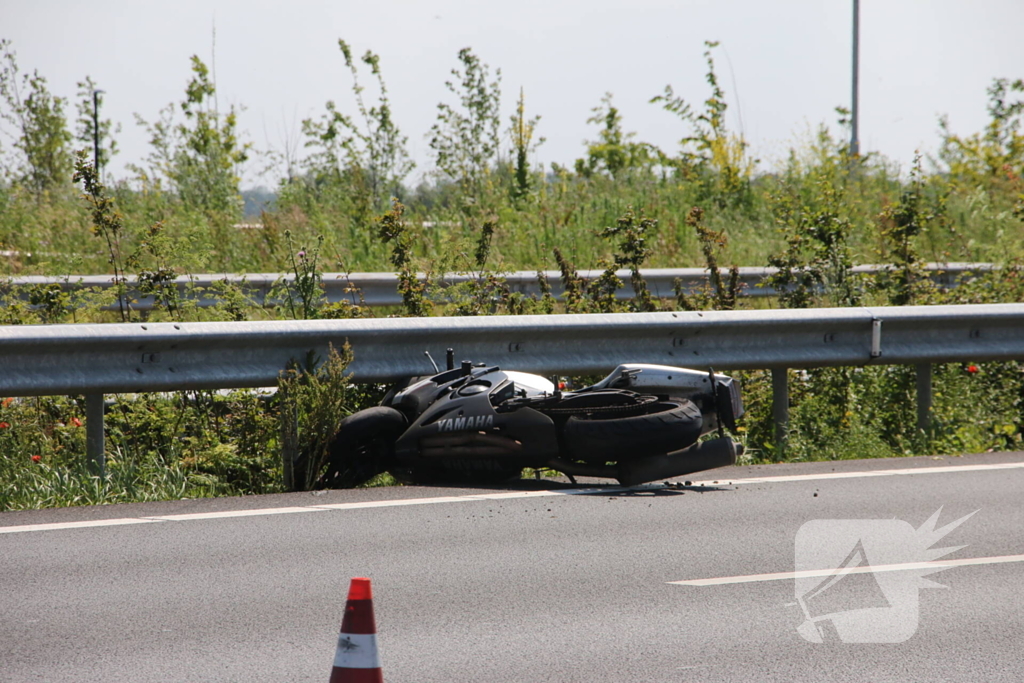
(478, 423)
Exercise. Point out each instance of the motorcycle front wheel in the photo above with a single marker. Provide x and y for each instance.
(363, 447)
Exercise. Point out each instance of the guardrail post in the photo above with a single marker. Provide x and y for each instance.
(924, 396)
(780, 406)
(95, 448)
(294, 477)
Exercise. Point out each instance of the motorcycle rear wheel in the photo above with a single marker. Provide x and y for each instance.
(661, 427)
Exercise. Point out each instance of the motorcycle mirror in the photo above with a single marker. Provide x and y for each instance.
(450, 359)
(427, 354)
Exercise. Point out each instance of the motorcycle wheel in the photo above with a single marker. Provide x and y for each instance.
(362, 447)
(661, 427)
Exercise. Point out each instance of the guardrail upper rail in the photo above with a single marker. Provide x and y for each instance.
(134, 357)
(381, 289)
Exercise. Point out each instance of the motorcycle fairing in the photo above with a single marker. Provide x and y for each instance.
(462, 422)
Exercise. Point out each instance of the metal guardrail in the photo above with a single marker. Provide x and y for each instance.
(133, 357)
(114, 358)
(381, 289)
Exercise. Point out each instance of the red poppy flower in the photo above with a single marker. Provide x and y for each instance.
(4, 425)
(972, 369)
(37, 458)
(75, 422)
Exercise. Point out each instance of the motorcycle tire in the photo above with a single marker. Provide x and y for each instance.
(362, 447)
(662, 427)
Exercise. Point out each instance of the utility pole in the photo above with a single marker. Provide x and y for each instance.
(854, 140)
(96, 132)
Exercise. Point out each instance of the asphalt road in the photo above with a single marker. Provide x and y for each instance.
(523, 584)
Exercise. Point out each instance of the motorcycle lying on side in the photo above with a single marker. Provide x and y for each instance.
(479, 423)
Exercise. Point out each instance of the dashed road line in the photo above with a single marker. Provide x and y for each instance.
(867, 569)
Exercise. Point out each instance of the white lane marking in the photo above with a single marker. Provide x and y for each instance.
(393, 503)
(76, 525)
(504, 495)
(541, 494)
(192, 516)
(780, 576)
(233, 513)
(867, 473)
(464, 499)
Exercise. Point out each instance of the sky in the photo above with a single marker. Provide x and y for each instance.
(785, 65)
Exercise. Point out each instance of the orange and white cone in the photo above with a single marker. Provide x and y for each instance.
(356, 660)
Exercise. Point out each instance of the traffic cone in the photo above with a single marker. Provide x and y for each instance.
(356, 660)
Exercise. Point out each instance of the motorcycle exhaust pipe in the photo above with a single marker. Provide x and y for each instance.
(706, 455)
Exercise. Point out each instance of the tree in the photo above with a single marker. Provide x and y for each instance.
(374, 152)
(1000, 149)
(201, 156)
(43, 160)
(465, 139)
(708, 152)
(613, 152)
